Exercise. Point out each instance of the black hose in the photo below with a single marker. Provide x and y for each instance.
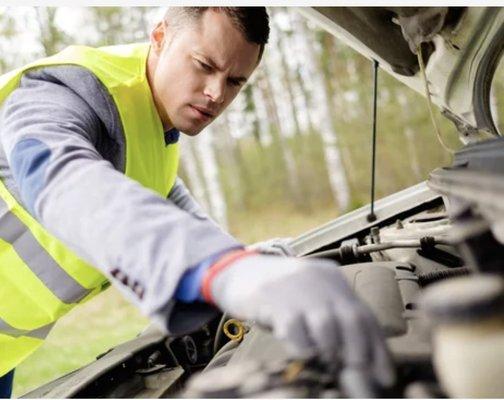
(431, 277)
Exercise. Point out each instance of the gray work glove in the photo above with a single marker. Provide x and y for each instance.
(309, 306)
(275, 247)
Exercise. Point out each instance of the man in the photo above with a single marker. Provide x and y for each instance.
(90, 194)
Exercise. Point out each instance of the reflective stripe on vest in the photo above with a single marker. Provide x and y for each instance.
(40, 333)
(40, 278)
(14, 232)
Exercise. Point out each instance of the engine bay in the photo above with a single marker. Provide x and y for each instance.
(388, 268)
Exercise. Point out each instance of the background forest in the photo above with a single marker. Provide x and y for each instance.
(292, 152)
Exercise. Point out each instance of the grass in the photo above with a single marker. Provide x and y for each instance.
(78, 338)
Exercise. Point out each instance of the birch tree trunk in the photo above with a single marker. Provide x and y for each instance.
(279, 44)
(277, 136)
(251, 111)
(190, 165)
(265, 121)
(335, 167)
(335, 88)
(238, 175)
(206, 155)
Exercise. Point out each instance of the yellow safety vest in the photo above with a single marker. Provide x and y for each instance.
(40, 278)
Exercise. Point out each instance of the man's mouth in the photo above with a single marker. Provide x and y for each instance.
(202, 112)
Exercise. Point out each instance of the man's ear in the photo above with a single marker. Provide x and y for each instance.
(157, 37)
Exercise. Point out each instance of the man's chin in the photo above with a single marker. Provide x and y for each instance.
(191, 129)
(190, 133)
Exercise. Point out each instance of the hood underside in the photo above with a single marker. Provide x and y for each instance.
(461, 47)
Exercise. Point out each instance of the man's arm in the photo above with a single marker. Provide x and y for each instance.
(109, 220)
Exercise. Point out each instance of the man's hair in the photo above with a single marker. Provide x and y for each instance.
(252, 22)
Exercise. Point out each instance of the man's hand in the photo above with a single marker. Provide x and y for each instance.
(308, 305)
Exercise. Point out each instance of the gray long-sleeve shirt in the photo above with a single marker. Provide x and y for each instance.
(62, 155)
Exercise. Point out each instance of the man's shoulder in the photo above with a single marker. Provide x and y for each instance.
(74, 94)
(81, 83)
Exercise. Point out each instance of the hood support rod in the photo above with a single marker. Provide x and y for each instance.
(372, 216)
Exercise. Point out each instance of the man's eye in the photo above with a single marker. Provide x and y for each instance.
(234, 82)
(205, 66)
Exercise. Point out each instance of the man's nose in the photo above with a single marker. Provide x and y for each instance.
(215, 89)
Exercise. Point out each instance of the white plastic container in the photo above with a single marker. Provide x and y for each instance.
(468, 335)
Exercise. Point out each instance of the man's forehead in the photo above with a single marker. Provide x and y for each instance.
(224, 51)
(214, 36)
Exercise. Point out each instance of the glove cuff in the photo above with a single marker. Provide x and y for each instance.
(221, 264)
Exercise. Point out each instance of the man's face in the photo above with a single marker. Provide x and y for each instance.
(199, 69)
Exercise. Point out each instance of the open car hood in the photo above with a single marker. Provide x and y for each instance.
(461, 47)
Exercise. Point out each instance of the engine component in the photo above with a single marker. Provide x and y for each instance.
(346, 253)
(191, 351)
(468, 334)
(280, 379)
(477, 243)
(431, 277)
(432, 229)
(234, 330)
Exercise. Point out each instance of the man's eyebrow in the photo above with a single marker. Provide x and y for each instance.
(212, 63)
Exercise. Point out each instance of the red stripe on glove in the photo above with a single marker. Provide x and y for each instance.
(222, 263)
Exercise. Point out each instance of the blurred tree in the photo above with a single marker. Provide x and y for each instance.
(212, 182)
(285, 71)
(342, 82)
(250, 108)
(335, 167)
(262, 118)
(8, 33)
(52, 38)
(140, 22)
(409, 136)
(108, 22)
(278, 136)
(233, 164)
(189, 163)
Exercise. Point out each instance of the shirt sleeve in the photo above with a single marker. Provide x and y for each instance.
(113, 222)
(188, 289)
